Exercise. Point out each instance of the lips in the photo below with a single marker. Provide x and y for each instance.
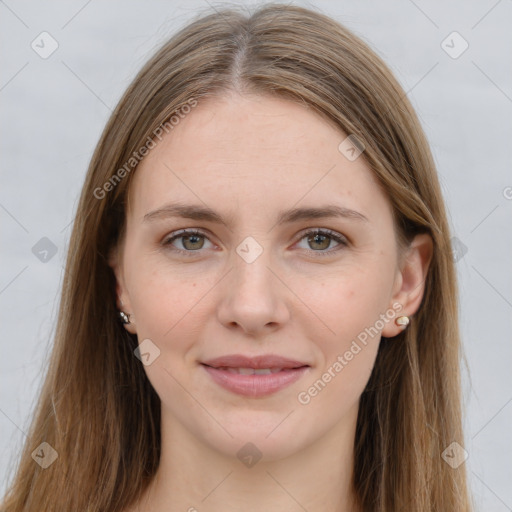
(252, 371)
(254, 376)
(267, 361)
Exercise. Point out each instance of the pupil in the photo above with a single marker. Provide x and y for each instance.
(194, 239)
(319, 239)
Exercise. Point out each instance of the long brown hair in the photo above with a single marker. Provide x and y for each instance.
(97, 409)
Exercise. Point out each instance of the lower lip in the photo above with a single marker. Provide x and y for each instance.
(255, 385)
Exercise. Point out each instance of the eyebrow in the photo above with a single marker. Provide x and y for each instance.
(199, 212)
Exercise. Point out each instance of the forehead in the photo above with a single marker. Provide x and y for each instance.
(253, 154)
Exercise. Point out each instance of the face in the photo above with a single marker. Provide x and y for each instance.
(258, 281)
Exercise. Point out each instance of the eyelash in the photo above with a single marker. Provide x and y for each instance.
(312, 232)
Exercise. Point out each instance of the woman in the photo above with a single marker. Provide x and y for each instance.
(259, 310)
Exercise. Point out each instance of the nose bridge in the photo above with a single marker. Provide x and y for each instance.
(252, 297)
(251, 275)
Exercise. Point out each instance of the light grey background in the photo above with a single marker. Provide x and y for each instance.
(54, 109)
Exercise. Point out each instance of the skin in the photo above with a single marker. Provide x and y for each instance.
(251, 157)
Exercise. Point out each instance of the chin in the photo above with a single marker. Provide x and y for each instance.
(263, 439)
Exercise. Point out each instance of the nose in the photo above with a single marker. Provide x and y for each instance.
(253, 297)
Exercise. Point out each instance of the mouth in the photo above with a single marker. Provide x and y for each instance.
(255, 377)
(254, 371)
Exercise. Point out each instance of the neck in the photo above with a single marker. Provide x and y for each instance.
(194, 477)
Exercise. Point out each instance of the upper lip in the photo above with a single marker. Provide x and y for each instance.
(256, 362)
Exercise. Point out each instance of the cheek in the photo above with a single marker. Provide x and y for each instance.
(349, 308)
(166, 307)
(157, 298)
(349, 300)
(167, 302)
(347, 353)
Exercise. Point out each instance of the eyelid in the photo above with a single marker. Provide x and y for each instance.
(183, 233)
(324, 231)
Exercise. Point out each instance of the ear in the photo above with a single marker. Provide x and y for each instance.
(122, 297)
(410, 280)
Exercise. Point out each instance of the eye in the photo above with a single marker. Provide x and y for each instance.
(321, 239)
(191, 240)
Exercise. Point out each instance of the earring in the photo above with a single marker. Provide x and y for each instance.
(403, 321)
(125, 318)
